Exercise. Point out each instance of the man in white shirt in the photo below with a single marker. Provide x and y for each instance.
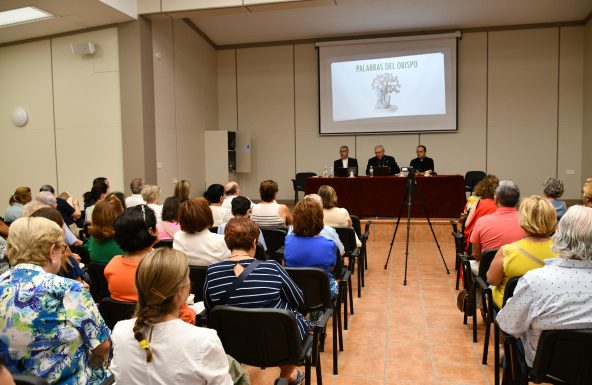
(135, 199)
(231, 191)
(558, 295)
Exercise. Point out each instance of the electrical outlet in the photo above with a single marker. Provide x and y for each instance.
(569, 172)
(159, 165)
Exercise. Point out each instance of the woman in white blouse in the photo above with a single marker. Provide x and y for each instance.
(195, 239)
(151, 195)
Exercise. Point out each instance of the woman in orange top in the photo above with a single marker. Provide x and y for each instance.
(135, 232)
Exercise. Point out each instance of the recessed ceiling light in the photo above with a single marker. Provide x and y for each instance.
(22, 15)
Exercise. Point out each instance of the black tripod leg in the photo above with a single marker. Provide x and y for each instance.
(396, 228)
(431, 228)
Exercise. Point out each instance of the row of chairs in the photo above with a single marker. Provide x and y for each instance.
(562, 356)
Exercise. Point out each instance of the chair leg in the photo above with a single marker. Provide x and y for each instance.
(457, 277)
(360, 277)
(318, 371)
(496, 355)
(473, 289)
(344, 304)
(307, 371)
(336, 325)
(487, 329)
(351, 296)
(339, 324)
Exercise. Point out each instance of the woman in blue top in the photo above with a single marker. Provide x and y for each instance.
(305, 247)
(50, 327)
(268, 285)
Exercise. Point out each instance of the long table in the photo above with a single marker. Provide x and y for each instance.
(443, 195)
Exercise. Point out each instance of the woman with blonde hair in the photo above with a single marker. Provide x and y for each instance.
(50, 326)
(538, 220)
(151, 194)
(182, 190)
(21, 196)
(143, 346)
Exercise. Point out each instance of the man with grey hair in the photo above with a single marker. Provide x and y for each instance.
(558, 295)
(136, 185)
(381, 160)
(553, 189)
(46, 198)
(231, 191)
(499, 228)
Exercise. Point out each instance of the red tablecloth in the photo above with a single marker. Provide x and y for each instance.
(443, 195)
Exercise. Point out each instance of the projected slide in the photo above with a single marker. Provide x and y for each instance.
(389, 87)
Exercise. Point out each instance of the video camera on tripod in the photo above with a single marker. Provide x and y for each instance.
(409, 172)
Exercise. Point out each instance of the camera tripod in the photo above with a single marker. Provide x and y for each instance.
(410, 189)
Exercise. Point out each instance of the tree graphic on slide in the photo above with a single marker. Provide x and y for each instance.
(384, 85)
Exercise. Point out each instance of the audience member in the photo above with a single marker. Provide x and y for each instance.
(46, 198)
(70, 268)
(120, 196)
(168, 227)
(305, 247)
(69, 211)
(182, 190)
(135, 233)
(328, 231)
(5, 376)
(97, 193)
(332, 215)
(201, 246)
(268, 285)
(422, 163)
(269, 213)
(143, 346)
(587, 193)
(101, 245)
(345, 161)
(538, 220)
(215, 196)
(558, 295)
(553, 189)
(51, 315)
(151, 195)
(136, 186)
(241, 207)
(500, 228)
(21, 196)
(381, 160)
(3, 229)
(231, 191)
(485, 205)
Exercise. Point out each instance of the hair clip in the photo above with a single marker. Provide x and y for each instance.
(143, 213)
(158, 294)
(144, 344)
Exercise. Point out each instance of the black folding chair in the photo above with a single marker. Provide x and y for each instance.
(562, 357)
(472, 178)
(214, 229)
(480, 281)
(275, 239)
(347, 237)
(197, 277)
(314, 283)
(99, 288)
(299, 181)
(356, 224)
(265, 338)
(114, 311)
(164, 243)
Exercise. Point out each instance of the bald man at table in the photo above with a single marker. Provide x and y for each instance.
(381, 160)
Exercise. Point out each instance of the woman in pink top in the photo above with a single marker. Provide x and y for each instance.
(486, 189)
(170, 219)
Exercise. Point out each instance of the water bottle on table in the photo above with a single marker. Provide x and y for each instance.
(371, 171)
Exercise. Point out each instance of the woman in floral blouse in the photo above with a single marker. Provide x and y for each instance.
(50, 327)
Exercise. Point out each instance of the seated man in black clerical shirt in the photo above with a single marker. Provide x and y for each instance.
(422, 163)
(345, 161)
(381, 160)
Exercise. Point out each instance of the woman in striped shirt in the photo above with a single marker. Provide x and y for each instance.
(268, 285)
(269, 213)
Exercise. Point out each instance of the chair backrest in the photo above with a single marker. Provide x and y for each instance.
(510, 287)
(164, 243)
(347, 236)
(260, 253)
(485, 262)
(257, 337)
(99, 288)
(275, 238)
(214, 229)
(314, 283)
(20, 379)
(114, 311)
(472, 178)
(356, 224)
(565, 355)
(300, 179)
(197, 276)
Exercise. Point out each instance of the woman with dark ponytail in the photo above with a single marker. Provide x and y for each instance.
(144, 346)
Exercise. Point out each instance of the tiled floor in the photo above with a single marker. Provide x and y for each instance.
(405, 334)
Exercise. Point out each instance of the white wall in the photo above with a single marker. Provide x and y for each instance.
(186, 103)
(520, 111)
(74, 130)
